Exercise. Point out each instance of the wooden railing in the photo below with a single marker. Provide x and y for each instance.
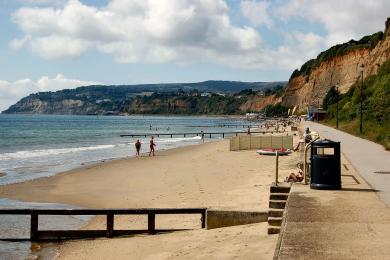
(36, 234)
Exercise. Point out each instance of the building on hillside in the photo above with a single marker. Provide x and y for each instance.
(316, 114)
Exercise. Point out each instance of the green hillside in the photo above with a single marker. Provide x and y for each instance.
(376, 107)
(209, 97)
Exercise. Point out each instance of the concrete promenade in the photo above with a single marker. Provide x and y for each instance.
(352, 223)
(367, 157)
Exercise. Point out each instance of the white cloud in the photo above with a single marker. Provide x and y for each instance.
(11, 92)
(256, 12)
(190, 31)
(343, 20)
(19, 43)
(137, 31)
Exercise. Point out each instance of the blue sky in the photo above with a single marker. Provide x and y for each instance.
(46, 45)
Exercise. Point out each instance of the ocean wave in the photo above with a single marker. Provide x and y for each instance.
(47, 152)
(177, 139)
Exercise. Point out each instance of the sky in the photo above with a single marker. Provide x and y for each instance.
(47, 45)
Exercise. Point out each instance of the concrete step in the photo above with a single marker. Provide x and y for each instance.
(275, 212)
(277, 204)
(273, 230)
(278, 196)
(275, 221)
(280, 189)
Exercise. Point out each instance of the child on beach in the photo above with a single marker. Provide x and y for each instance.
(202, 136)
(137, 147)
(152, 145)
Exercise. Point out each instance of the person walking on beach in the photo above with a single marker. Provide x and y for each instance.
(152, 145)
(202, 136)
(249, 130)
(137, 147)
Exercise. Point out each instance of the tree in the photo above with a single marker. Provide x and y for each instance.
(331, 97)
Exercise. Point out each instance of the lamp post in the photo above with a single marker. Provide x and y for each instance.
(361, 100)
(337, 106)
(318, 111)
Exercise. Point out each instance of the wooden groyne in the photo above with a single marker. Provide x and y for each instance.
(209, 134)
(54, 235)
(228, 126)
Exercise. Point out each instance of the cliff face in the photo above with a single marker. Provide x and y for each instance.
(309, 90)
(257, 104)
(34, 105)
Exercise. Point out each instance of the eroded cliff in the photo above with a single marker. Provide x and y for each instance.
(340, 65)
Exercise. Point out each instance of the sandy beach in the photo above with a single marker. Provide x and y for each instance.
(206, 175)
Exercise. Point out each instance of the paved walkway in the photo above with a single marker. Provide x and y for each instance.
(351, 223)
(367, 157)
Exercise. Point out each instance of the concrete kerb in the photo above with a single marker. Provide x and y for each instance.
(282, 227)
(224, 218)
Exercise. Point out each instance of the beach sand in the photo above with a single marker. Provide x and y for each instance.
(206, 175)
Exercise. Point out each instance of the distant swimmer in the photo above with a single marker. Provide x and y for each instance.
(137, 147)
(151, 146)
(202, 136)
(150, 127)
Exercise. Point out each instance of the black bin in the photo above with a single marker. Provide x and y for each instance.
(325, 170)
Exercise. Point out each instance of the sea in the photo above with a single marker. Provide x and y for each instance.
(38, 146)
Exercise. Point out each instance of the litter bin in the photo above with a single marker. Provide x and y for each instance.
(325, 172)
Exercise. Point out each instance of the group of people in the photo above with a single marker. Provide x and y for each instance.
(152, 145)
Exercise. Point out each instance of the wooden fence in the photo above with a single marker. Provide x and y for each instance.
(36, 234)
(248, 142)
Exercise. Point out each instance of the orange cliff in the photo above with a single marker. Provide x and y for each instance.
(344, 70)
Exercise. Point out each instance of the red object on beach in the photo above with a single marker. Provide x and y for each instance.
(272, 151)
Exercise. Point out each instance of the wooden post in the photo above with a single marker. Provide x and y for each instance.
(151, 223)
(210, 135)
(203, 219)
(110, 224)
(184, 135)
(34, 226)
(223, 135)
(277, 169)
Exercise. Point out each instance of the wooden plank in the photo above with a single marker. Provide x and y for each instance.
(34, 226)
(140, 211)
(203, 219)
(151, 223)
(58, 235)
(110, 224)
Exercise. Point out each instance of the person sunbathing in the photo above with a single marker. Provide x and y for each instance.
(295, 177)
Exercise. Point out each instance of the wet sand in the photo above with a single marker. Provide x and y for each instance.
(206, 175)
